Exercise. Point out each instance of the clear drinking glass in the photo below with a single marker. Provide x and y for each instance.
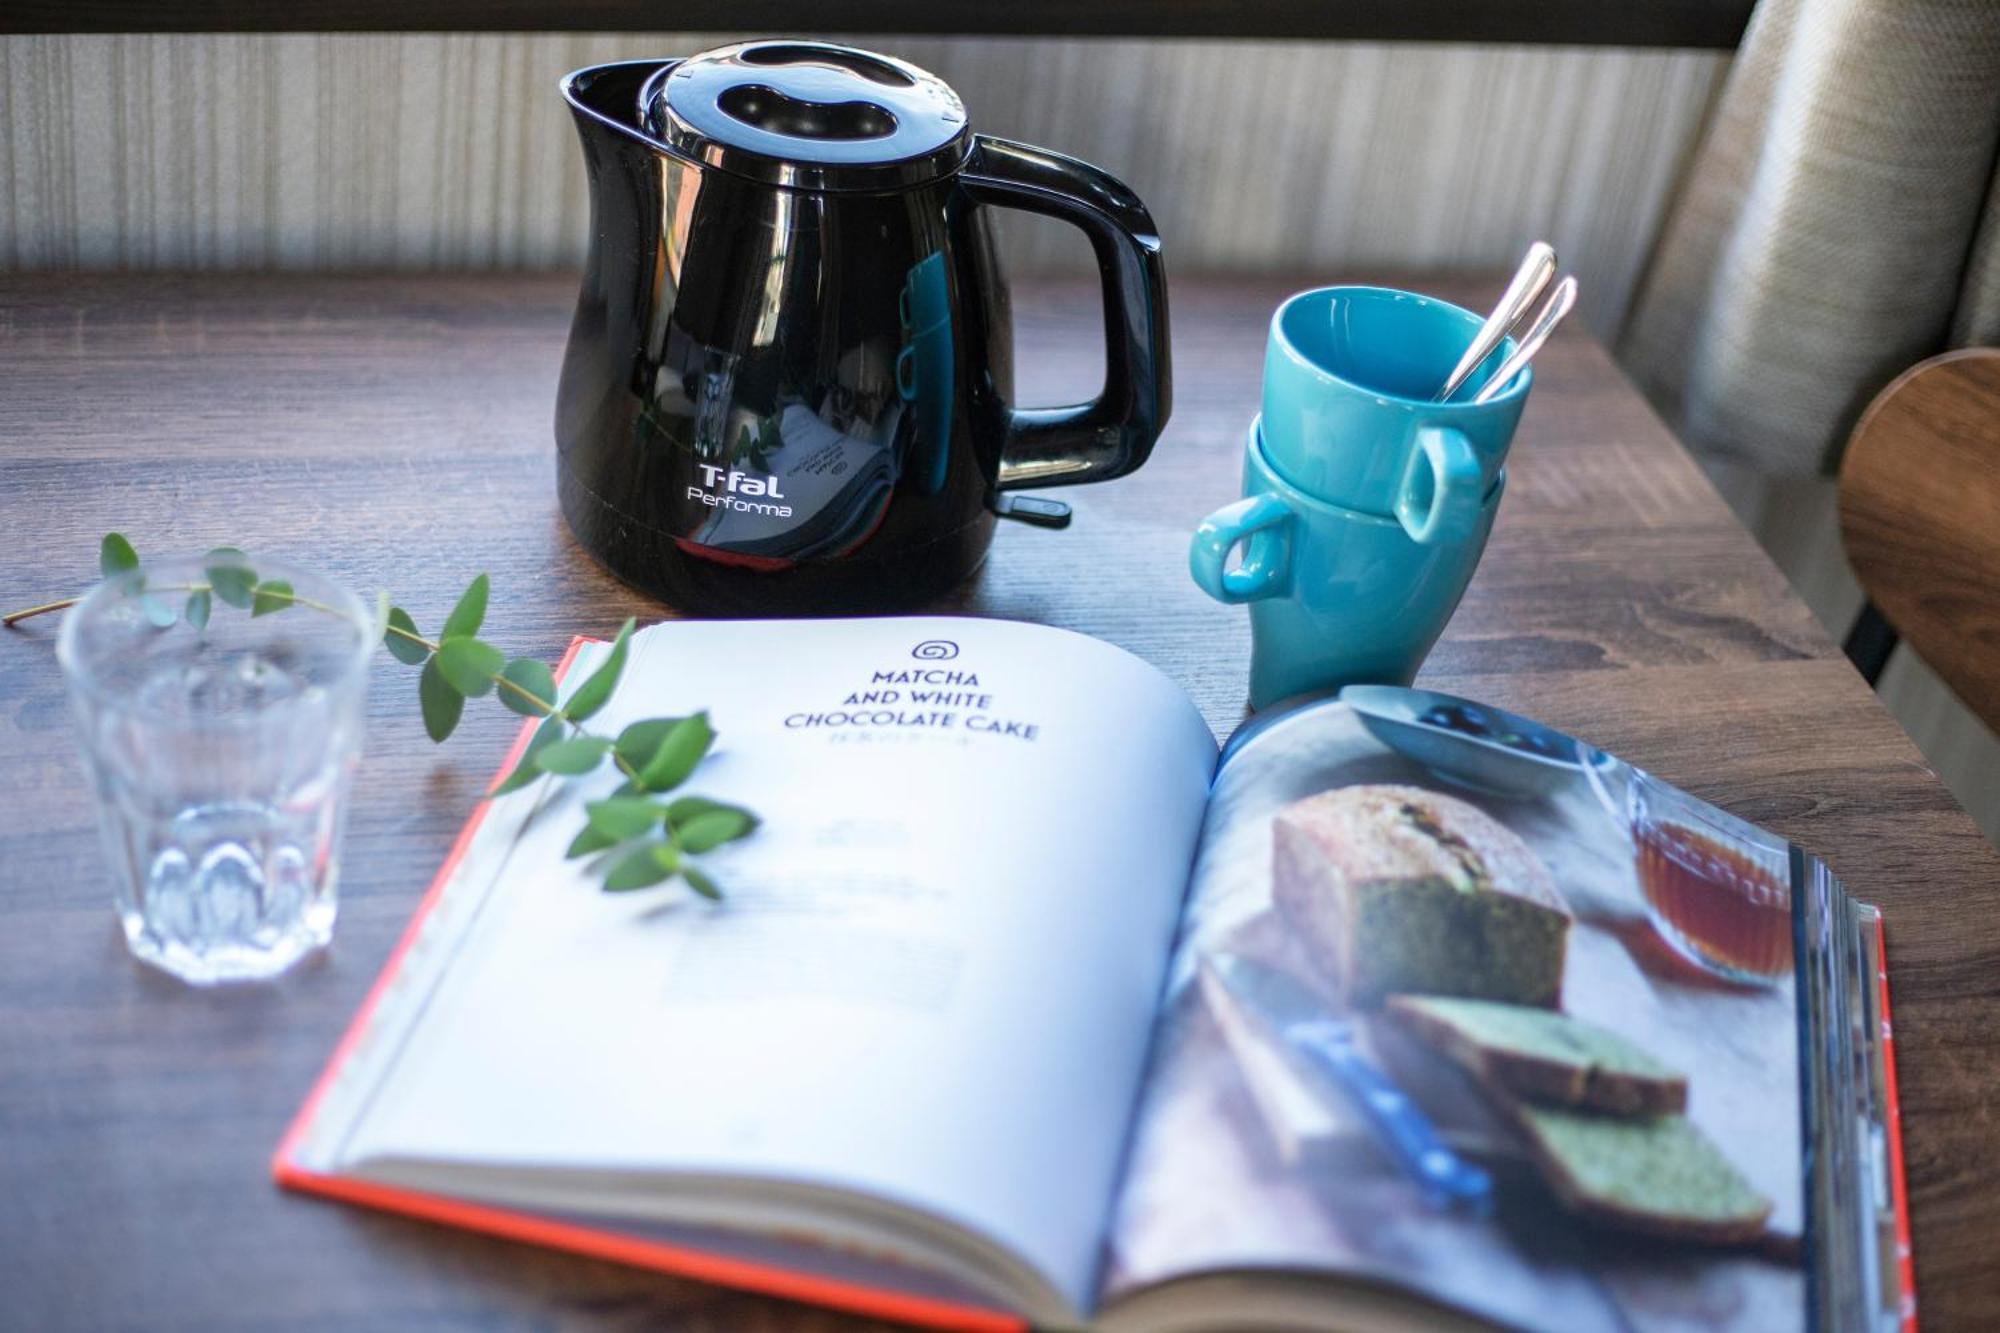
(221, 755)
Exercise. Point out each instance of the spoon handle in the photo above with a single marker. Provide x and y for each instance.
(1537, 267)
(1560, 303)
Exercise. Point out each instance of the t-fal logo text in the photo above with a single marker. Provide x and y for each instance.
(739, 483)
(728, 489)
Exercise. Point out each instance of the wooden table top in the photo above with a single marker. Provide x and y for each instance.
(398, 429)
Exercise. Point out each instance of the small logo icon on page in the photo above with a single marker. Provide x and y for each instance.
(935, 650)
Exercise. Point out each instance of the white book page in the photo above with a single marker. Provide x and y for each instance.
(934, 976)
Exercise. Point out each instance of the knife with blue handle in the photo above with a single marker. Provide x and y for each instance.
(1298, 1019)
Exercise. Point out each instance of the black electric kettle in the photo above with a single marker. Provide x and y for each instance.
(787, 388)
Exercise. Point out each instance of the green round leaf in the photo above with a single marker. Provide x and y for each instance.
(681, 811)
(701, 883)
(642, 867)
(442, 705)
(712, 828)
(589, 840)
(527, 770)
(578, 754)
(470, 665)
(595, 692)
(678, 754)
(234, 584)
(622, 817)
(198, 606)
(536, 679)
(466, 618)
(637, 742)
(401, 648)
(269, 596)
(115, 555)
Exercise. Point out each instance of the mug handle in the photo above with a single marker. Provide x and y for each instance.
(1112, 434)
(1446, 508)
(1263, 524)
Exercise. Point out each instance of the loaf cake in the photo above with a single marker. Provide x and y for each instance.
(1659, 1175)
(1543, 1056)
(1394, 888)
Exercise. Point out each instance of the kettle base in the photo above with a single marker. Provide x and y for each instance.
(867, 582)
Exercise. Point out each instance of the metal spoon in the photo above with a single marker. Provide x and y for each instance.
(1537, 267)
(1560, 302)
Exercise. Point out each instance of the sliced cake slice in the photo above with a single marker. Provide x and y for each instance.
(1543, 1055)
(1659, 1175)
(1395, 888)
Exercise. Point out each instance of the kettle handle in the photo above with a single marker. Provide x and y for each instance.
(1113, 434)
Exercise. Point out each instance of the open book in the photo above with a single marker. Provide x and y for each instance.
(1023, 1006)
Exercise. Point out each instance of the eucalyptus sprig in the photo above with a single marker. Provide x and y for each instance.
(639, 837)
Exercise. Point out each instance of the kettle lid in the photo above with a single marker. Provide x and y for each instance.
(809, 114)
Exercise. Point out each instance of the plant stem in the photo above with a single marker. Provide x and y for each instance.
(261, 597)
(43, 609)
(500, 682)
(543, 709)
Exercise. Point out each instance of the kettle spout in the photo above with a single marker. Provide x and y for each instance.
(605, 101)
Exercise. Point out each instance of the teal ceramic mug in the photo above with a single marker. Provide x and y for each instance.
(1337, 597)
(1349, 373)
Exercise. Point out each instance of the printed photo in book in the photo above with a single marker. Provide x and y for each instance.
(1024, 1007)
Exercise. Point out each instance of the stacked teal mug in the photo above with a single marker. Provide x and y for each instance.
(1366, 505)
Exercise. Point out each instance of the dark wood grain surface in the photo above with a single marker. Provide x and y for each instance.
(396, 430)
